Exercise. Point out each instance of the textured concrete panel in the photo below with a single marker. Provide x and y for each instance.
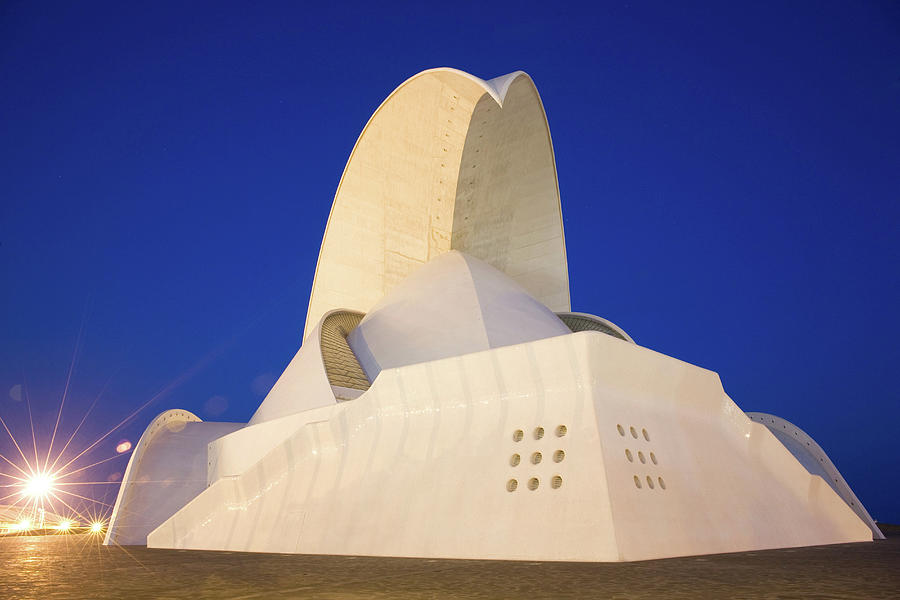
(448, 161)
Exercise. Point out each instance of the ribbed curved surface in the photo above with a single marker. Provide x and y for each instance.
(586, 322)
(166, 470)
(448, 161)
(816, 461)
(341, 365)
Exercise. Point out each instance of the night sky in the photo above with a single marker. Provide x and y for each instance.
(729, 179)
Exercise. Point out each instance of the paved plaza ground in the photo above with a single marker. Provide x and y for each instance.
(78, 566)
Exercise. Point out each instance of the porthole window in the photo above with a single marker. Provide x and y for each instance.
(511, 485)
(514, 460)
(518, 434)
(641, 458)
(637, 482)
(621, 429)
(538, 433)
(628, 455)
(556, 482)
(650, 482)
(536, 458)
(662, 482)
(633, 432)
(561, 431)
(653, 459)
(558, 456)
(533, 483)
(646, 435)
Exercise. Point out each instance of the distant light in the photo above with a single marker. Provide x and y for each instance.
(96, 527)
(124, 446)
(38, 486)
(23, 524)
(64, 525)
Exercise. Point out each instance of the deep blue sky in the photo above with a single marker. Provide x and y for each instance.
(729, 178)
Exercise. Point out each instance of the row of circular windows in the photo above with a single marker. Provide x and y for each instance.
(650, 484)
(537, 457)
(538, 433)
(633, 432)
(641, 457)
(534, 483)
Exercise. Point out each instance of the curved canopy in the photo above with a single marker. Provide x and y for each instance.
(586, 322)
(448, 161)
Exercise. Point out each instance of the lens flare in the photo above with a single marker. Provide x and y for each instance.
(96, 527)
(39, 485)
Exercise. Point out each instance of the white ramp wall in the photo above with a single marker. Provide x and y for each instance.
(577, 447)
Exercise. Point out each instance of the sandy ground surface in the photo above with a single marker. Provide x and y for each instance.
(78, 566)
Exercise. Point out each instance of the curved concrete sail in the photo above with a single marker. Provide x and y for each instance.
(816, 461)
(448, 161)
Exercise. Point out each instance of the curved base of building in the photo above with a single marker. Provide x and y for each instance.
(809, 454)
(166, 470)
(579, 447)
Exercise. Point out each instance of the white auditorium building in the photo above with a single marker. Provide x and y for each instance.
(447, 403)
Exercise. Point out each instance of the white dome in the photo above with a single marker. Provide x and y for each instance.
(453, 305)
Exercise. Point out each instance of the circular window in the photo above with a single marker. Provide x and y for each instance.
(538, 433)
(511, 485)
(646, 435)
(518, 434)
(533, 483)
(558, 456)
(514, 460)
(556, 482)
(653, 459)
(650, 481)
(641, 458)
(637, 482)
(536, 458)
(561, 431)
(621, 429)
(662, 482)
(633, 432)
(628, 455)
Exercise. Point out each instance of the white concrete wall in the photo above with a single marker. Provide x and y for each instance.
(234, 453)
(421, 463)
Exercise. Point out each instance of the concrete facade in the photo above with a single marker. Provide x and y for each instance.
(446, 403)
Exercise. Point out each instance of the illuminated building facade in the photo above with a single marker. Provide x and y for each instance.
(446, 402)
